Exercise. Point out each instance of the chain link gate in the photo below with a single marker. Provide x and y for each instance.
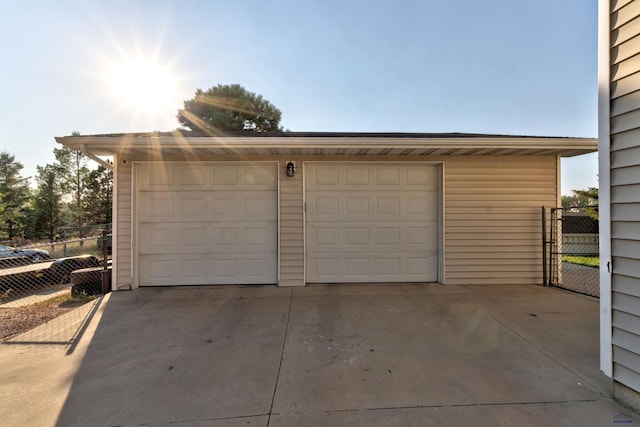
(571, 254)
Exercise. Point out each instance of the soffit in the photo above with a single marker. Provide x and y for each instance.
(150, 145)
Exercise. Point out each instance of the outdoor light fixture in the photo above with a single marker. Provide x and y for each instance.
(291, 169)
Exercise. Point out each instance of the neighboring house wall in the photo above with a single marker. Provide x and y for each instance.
(579, 244)
(579, 234)
(622, 64)
(491, 215)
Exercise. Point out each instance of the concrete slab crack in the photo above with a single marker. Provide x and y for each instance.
(284, 343)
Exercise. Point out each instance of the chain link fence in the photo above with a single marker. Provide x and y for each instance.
(572, 249)
(32, 273)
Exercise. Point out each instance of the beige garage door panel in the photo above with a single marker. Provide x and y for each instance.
(368, 268)
(371, 204)
(203, 269)
(218, 238)
(207, 224)
(372, 222)
(374, 236)
(167, 176)
(188, 206)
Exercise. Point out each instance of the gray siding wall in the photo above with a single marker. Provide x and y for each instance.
(492, 225)
(625, 190)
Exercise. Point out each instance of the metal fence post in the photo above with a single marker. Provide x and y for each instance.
(106, 286)
(544, 246)
(553, 235)
(64, 241)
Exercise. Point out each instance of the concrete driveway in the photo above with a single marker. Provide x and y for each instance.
(411, 355)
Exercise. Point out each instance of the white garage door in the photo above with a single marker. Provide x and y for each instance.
(372, 222)
(206, 223)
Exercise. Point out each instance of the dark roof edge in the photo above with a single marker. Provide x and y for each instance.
(195, 134)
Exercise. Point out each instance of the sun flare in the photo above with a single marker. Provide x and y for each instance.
(143, 85)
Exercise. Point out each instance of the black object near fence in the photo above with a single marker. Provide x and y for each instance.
(32, 274)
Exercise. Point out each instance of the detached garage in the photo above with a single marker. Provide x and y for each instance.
(300, 208)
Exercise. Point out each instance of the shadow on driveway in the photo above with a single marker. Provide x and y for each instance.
(324, 355)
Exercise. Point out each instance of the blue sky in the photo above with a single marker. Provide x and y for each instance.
(494, 66)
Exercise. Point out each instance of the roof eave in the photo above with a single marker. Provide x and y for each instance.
(109, 145)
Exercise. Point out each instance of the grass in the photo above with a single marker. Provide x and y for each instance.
(588, 261)
(56, 250)
(68, 300)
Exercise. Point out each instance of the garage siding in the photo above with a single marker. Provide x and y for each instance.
(124, 228)
(291, 226)
(492, 218)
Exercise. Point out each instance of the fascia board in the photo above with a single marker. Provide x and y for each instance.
(121, 143)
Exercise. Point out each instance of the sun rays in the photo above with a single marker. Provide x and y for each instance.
(144, 87)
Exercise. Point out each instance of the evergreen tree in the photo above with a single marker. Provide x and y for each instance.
(229, 108)
(74, 179)
(48, 216)
(99, 196)
(589, 200)
(15, 196)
